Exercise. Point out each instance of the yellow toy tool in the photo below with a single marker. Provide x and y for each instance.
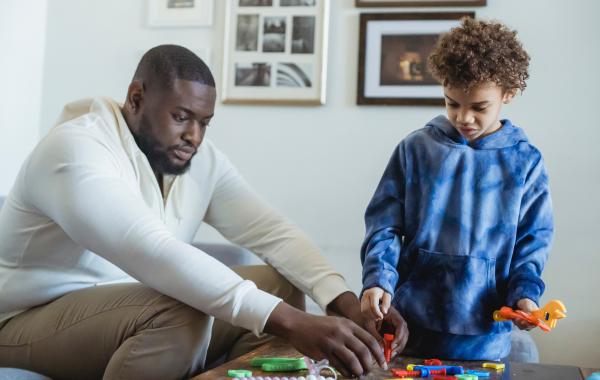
(545, 318)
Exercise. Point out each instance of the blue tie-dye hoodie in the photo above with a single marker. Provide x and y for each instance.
(455, 230)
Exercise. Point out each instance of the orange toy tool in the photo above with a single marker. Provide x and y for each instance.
(549, 314)
(387, 346)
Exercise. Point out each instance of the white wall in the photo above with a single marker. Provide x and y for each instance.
(22, 27)
(320, 165)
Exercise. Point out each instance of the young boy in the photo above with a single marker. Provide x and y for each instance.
(461, 221)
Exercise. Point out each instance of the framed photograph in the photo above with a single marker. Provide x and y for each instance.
(275, 52)
(185, 13)
(420, 3)
(392, 57)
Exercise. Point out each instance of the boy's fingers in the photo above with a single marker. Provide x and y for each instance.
(375, 308)
(385, 302)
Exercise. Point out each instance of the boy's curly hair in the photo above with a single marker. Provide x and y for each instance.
(477, 52)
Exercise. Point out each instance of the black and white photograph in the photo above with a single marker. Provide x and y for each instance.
(247, 33)
(297, 3)
(303, 35)
(275, 54)
(290, 74)
(180, 4)
(253, 74)
(256, 3)
(274, 34)
(404, 59)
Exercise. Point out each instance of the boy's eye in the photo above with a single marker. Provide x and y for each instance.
(479, 109)
(452, 105)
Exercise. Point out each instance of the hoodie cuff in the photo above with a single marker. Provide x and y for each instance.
(524, 289)
(327, 289)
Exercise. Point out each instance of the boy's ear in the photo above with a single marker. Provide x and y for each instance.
(509, 95)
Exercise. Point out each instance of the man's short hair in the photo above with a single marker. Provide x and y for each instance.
(162, 64)
(477, 52)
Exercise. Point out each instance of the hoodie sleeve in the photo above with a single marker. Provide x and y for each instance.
(384, 221)
(534, 236)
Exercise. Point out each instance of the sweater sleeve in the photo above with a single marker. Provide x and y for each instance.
(384, 220)
(534, 236)
(74, 178)
(242, 217)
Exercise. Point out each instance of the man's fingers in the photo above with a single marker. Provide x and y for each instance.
(385, 302)
(368, 340)
(339, 366)
(350, 362)
(362, 352)
(371, 327)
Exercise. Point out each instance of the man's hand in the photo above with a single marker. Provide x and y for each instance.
(349, 348)
(400, 328)
(370, 303)
(347, 305)
(526, 305)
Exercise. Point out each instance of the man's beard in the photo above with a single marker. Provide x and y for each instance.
(158, 158)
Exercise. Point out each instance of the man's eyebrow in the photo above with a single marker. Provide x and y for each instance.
(185, 109)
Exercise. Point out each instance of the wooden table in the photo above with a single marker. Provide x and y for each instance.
(513, 371)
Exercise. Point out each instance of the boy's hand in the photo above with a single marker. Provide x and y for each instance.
(370, 303)
(526, 305)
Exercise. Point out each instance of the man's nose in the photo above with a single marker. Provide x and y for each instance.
(194, 133)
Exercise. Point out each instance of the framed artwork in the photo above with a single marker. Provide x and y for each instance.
(185, 13)
(420, 3)
(275, 52)
(392, 57)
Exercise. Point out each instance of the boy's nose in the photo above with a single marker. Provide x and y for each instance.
(464, 117)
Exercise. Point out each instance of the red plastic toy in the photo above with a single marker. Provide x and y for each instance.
(387, 346)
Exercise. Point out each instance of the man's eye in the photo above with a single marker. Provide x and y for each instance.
(179, 118)
(479, 109)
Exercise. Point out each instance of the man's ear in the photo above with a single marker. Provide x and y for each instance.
(135, 96)
(509, 95)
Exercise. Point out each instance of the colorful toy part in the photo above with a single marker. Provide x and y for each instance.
(279, 364)
(450, 369)
(387, 346)
(496, 366)
(551, 313)
(544, 318)
(432, 362)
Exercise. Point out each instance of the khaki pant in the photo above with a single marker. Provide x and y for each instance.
(129, 331)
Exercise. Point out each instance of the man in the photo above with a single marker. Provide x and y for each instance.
(114, 193)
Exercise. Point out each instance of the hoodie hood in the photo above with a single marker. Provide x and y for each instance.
(507, 136)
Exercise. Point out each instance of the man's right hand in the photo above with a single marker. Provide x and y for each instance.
(348, 347)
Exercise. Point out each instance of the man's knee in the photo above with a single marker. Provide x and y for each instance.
(269, 280)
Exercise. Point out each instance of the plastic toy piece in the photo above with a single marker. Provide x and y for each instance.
(421, 372)
(478, 373)
(432, 362)
(553, 311)
(450, 369)
(594, 376)
(467, 376)
(279, 364)
(444, 377)
(239, 373)
(315, 368)
(496, 366)
(309, 377)
(387, 346)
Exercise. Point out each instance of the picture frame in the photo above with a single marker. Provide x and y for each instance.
(392, 57)
(180, 13)
(420, 3)
(275, 52)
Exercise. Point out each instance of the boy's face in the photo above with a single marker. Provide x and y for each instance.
(475, 114)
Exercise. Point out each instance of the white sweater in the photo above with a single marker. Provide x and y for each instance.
(86, 209)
